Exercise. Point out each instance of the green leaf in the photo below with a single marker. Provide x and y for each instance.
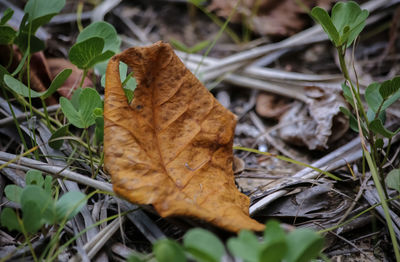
(61, 132)
(48, 181)
(32, 216)
(21, 41)
(75, 97)
(198, 47)
(9, 219)
(89, 100)
(377, 127)
(203, 245)
(352, 118)
(42, 199)
(3, 72)
(19, 88)
(179, 45)
(348, 14)
(71, 113)
(393, 179)
(347, 94)
(303, 245)
(389, 87)
(82, 117)
(13, 193)
(69, 205)
(246, 246)
(34, 177)
(87, 53)
(7, 35)
(41, 11)
(57, 82)
(275, 247)
(322, 17)
(103, 30)
(373, 97)
(166, 250)
(8, 13)
(379, 143)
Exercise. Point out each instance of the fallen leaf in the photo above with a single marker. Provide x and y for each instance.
(317, 124)
(271, 105)
(272, 17)
(171, 147)
(56, 65)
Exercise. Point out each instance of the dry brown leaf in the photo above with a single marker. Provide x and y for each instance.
(318, 124)
(172, 146)
(271, 105)
(273, 17)
(56, 65)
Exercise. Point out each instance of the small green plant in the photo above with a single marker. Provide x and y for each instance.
(38, 206)
(346, 22)
(300, 245)
(39, 209)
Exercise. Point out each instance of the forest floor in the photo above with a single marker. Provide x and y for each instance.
(276, 70)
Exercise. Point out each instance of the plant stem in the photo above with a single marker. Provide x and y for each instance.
(85, 71)
(385, 206)
(46, 114)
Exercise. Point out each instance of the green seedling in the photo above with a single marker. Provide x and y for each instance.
(80, 113)
(38, 206)
(343, 27)
(300, 245)
(345, 23)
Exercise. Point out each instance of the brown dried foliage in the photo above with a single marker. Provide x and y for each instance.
(172, 146)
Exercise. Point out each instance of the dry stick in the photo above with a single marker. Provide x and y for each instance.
(23, 116)
(96, 243)
(353, 204)
(27, 163)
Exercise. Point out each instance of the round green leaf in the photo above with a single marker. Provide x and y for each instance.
(32, 217)
(87, 53)
(41, 11)
(246, 246)
(34, 177)
(69, 205)
(9, 219)
(203, 245)
(7, 35)
(42, 199)
(103, 30)
(166, 250)
(303, 245)
(393, 179)
(13, 193)
(73, 116)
